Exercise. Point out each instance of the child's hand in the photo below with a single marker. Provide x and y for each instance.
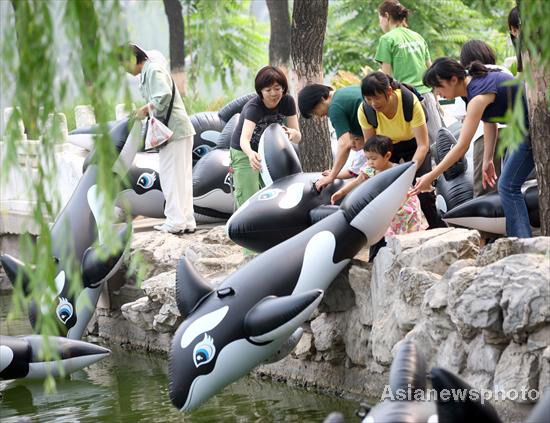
(337, 196)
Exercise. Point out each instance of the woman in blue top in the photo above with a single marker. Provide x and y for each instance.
(488, 97)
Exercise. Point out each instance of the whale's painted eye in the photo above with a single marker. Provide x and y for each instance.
(64, 310)
(146, 180)
(201, 150)
(269, 194)
(204, 351)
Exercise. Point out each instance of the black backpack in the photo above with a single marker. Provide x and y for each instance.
(407, 92)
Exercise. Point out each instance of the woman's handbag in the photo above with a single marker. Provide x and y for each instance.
(157, 131)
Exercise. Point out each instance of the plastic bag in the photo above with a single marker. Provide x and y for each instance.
(157, 133)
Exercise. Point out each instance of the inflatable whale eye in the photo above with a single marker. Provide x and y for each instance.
(279, 159)
(202, 122)
(234, 107)
(279, 211)
(77, 236)
(242, 323)
(21, 357)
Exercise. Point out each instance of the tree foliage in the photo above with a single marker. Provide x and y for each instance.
(220, 36)
(354, 30)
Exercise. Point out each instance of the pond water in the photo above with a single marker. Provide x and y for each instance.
(133, 387)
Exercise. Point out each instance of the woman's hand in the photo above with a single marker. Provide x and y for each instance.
(423, 184)
(291, 133)
(142, 112)
(336, 197)
(255, 160)
(489, 175)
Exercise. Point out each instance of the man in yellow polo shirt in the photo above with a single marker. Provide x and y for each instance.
(390, 109)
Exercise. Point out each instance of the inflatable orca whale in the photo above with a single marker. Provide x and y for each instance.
(229, 330)
(20, 357)
(74, 235)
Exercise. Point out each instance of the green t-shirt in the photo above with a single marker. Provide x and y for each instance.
(407, 53)
(342, 111)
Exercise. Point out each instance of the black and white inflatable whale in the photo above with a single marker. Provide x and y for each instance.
(21, 357)
(77, 244)
(229, 330)
(287, 205)
(484, 213)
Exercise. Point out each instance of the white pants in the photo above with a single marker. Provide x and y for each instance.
(435, 121)
(176, 180)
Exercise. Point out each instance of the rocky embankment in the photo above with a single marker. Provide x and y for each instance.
(483, 313)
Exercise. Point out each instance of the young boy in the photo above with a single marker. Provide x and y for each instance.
(378, 150)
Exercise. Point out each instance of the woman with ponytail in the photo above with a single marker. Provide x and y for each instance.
(488, 96)
(404, 54)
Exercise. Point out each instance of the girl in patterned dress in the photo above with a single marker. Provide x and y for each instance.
(378, 150)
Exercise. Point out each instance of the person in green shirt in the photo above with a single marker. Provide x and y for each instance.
(404, 55)
(341, 108)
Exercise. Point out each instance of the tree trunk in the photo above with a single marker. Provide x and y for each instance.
(309, 21)
(176, 27)
(539, 128)
(279, 40)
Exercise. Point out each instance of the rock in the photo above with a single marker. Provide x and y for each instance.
(451, 354)
(423, 340)
(305, 347)
(140, 312)
(385, 334)
(360, 281)
(517, 370)
(218, 236)
(458, 265)
(356, 339)
(435, 297)
(539, 340)
(460, 281)
(339, 296)
(504, 247)
(482, 357)
(384, 282)
(525, 298)
(478, 380)
(438, 253)
(412, 285)
(327, 331)
(400, 243)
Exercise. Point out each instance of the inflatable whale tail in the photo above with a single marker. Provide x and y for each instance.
(13, 267)
(366, 207)
(460, 410)
(279, 159)
(22, 357)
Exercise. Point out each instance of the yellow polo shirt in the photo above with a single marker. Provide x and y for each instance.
(396, 129)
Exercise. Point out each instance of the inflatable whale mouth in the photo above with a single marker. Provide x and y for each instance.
(21, 357)
(229, 330)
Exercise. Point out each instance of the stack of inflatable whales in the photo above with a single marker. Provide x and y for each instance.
(77, 243)
(485, 212)
(230, 329)
(212, 190)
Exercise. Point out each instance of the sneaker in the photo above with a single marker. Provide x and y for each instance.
(190, 230)
(167, 228)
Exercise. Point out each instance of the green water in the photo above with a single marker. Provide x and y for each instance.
(133, 387)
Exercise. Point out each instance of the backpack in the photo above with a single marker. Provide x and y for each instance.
(407, 92)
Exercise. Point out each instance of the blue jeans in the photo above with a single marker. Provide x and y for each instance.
(514, 173)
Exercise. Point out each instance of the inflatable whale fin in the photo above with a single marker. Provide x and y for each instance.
(408, 368)
(96, 266)
(13, 267)
(364, 208)
(190, 286)
(460, 410)
(275, 317)
(287, 347)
